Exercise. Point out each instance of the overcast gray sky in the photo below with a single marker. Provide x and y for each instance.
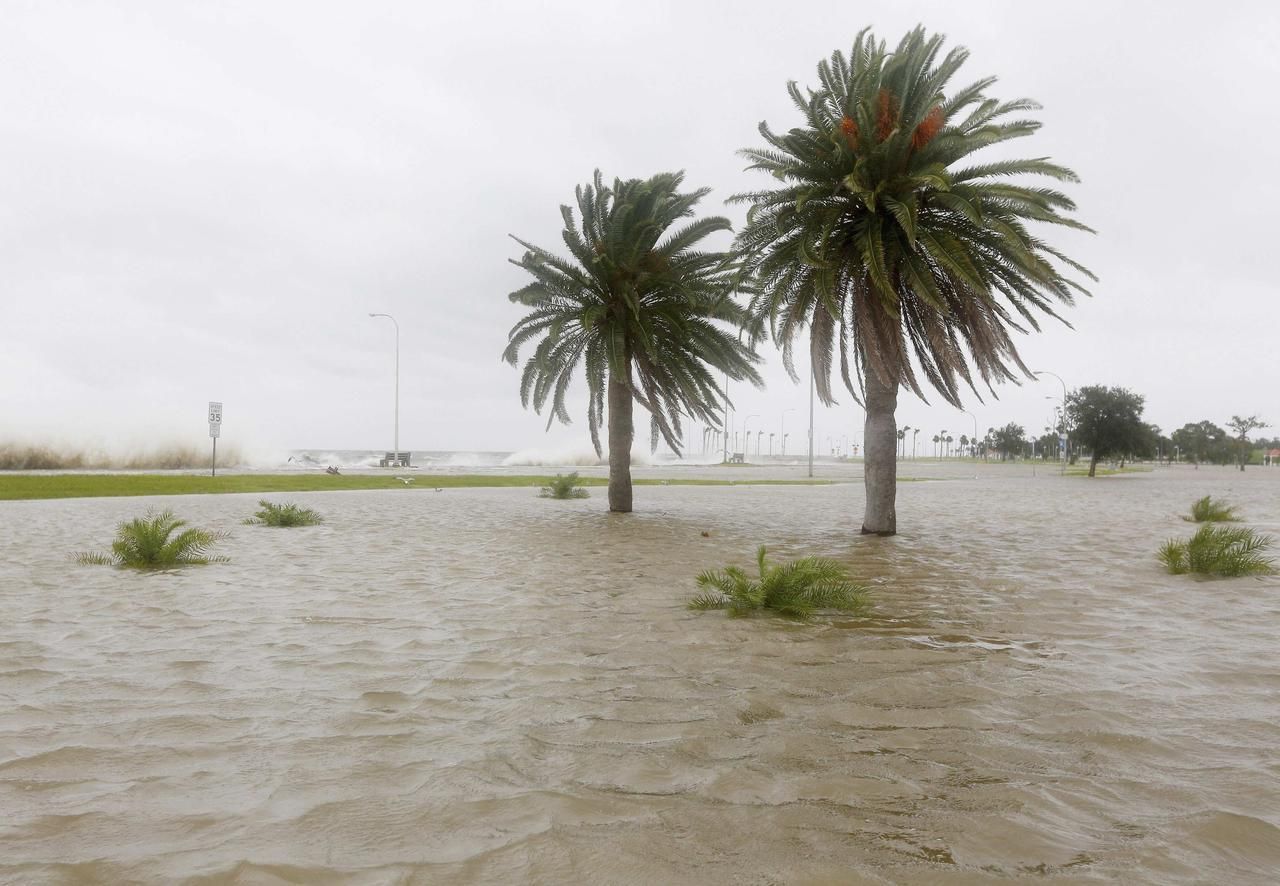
(203, 201)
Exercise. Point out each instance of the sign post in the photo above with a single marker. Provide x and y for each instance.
(215, 429)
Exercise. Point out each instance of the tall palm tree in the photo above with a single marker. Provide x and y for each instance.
(893, 245)
(640, 308)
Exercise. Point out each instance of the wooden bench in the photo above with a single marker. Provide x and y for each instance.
(394, 460)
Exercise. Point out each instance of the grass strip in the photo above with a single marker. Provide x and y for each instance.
(23, 487)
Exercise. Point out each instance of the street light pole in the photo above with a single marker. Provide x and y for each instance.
(1065, 438)
(396, 448)
(746, 436)
(975, 427)
(810, 417)
(726, 419)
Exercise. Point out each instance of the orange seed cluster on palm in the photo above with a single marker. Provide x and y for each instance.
(887, 116)
(930, 126)
(850, 130)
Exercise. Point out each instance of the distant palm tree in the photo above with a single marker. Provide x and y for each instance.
(640, 309)
(893, 246)
(936, 440)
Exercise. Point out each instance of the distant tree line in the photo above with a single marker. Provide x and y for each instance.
(1105, 423)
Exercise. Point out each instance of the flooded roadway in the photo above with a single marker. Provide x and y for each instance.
(478, 685)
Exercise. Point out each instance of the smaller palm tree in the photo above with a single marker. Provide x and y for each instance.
(641, 308)
(149, 543)
(563, 486)
(1211, 510)
(1225, 551)
(798, 589)
(287, 514)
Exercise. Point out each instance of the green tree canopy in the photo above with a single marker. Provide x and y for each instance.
(1242, 426)
(1202, 441)
(894, 245)
(1107, 421)
(1009, 441)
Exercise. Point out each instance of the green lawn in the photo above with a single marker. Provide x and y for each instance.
(32, 486)
(1079, 470)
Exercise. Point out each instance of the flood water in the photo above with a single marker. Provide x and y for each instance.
(481, 686)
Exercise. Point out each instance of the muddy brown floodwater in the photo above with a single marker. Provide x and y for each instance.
(481, 686)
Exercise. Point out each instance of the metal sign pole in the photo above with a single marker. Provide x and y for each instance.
(215, 429)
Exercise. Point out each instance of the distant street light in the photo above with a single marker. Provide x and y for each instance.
(1065, 441)
(396, 447)
(746, 438)
(975, 430)
(811, 417)
(782, 429)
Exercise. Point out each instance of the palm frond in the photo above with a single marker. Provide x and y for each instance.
(149, 543)
(563, 487)
(283, 515)
(1224, 551)
(798, 589)
(884, 219)
(637, 302)
(1211, 510)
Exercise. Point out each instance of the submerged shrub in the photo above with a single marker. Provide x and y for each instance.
(1207, 510)
(1226, 551)
(288, 514)
(562, 486)
(798, 589)
(149, 543)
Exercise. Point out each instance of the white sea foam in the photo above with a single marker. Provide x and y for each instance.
(565, 456)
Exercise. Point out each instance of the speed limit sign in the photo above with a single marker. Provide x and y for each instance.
(215, 431)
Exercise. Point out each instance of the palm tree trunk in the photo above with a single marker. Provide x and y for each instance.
(880, 468)
(621, 433)
(1093, 464)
